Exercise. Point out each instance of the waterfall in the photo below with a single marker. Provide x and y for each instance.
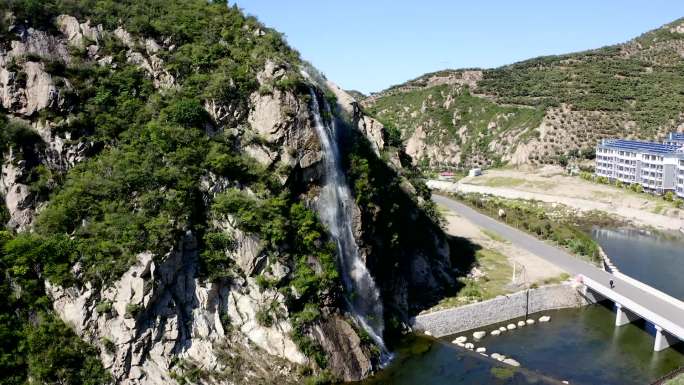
(335, 208)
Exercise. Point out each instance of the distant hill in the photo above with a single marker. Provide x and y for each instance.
(358, 95)
(543, 110)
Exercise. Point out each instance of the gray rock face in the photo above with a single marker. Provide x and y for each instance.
(158, 310)
(78, 33)
(154, 66)
(39, 43)
(247, 251)
(342, 344)
(26, 97)
(18, 198)
(281, 123)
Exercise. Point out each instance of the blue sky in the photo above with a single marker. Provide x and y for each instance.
(373, 44)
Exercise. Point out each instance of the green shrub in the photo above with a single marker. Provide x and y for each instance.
(669, 196)
(104, 307)
(109, 345)
(323, 378)
(132, 310)
(215, 261)
(264, 317)
(36, 344)
(186, 112)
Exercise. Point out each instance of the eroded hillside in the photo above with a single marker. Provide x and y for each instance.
(543, 110)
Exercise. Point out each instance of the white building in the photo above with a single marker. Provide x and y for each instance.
(657, 167)
(680, 177)
(675, 139)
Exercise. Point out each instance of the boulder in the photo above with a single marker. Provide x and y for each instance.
(498, 357)
(461, 339)
(247, 249)
(530, 322)
(345, 356)
(544, 318)
(469, 346)
(481, 349)
(521, 324)
(511, 362)
(495, 332)
(510, 326)
(502, 329)
(76, 32)
(18, 198)
(479, 335)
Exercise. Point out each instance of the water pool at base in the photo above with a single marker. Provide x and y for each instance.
(581, 346)
(421, 360)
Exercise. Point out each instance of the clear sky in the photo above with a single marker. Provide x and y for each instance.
(373, 44)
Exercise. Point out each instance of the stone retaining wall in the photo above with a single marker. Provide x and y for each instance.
(499, 309)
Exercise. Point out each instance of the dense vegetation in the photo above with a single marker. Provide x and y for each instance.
(154, 144)
(35, 343)
(603, 80)
(140, 187)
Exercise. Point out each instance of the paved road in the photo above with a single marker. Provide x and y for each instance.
(652, 305)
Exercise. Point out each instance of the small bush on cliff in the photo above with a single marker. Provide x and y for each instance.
(264, 317)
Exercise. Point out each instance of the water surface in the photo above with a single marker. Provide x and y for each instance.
(421, 360)
(657, 261)
(581, 346)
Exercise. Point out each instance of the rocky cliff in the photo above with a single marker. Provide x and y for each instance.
(543, 110)
(160, 187)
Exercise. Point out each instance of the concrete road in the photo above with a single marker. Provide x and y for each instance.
(655, 306)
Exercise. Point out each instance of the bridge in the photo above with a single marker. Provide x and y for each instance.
(665, 312)
(633, 299)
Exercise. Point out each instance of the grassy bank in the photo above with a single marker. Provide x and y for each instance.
(490, 278)
(665, 200)
(546, 221)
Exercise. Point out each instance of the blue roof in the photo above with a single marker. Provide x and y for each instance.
(675, 136)
(636, 145)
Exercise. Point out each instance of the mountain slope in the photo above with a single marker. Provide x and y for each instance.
(161, 181)
(544, 109)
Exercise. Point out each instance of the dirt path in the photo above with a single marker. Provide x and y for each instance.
(551, 185)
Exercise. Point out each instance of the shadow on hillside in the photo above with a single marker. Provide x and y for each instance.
(462, 253)
(403, 245)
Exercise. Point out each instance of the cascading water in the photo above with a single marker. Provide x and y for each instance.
(335, 207)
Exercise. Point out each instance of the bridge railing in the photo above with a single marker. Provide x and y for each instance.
(635, 307)
(652, 290)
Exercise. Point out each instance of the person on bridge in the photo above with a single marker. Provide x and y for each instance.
(612, 285)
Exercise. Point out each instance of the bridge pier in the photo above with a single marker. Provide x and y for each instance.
(592, 296)
(624, 316)
(663, 339)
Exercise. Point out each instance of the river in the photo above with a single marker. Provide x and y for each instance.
(581, 346)
(656, 260)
